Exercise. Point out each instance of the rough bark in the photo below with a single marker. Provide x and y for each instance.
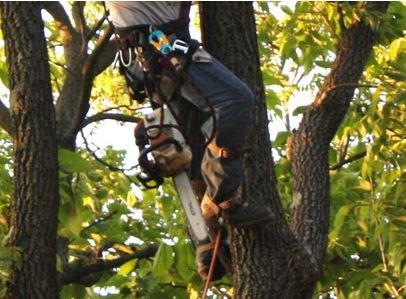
(311, 142)
(36, 198)
(274, 261)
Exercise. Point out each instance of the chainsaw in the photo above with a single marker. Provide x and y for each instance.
(168, 155)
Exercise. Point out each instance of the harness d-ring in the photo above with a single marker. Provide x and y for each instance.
(129, 59)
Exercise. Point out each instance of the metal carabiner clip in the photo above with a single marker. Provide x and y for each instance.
(129, 58)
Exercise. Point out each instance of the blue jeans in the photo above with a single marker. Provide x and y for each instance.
(211, 83)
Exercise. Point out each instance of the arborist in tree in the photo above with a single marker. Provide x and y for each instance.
(214, 108)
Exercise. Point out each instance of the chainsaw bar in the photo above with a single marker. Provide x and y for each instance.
(198, 228)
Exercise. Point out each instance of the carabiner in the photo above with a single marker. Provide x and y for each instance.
(129, 58)
(160, 41)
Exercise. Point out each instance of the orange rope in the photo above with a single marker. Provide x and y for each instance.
(212, 264)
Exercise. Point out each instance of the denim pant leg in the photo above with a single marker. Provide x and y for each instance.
(232, 101)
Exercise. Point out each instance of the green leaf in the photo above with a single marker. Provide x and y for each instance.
(272, 99)
(339, 220)
(323, 64)
(396, 47)
(102, 193)
(73, 291)
(184, 261)
(163, 260)
(281, 139)
(73, 162)
(131, 199)
(127, 267)
(263, 5)
(286, 10)
(4, 74)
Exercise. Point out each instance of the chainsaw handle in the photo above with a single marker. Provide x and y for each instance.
(152, 171)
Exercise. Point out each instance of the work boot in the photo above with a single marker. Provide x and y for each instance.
(234, 212)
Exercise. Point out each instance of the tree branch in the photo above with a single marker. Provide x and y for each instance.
(310, 145)
(113, 116)
(108, 165)
(88, 71)
(56, 10)
(99, 220)
(79, 19)
(6, 122)
(95, 28)
(107, 57)
(348, 85)
(69, 36)
(76, 273)
(348, 160)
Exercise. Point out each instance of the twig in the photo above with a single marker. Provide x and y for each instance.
(100, 220)
(108, 165)
(76, 273)
(326, 21)
(59, 64)
(344, 148)
(349, 160)
(113, 116)
(58, 87)
(220, 292)
(96, 27)
(349, 85)
(121, 106)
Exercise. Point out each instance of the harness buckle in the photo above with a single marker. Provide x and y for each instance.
(180, 45)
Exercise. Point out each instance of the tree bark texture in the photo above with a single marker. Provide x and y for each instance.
(36, 197)
(310, 145)
(311, 141)
(275, 261)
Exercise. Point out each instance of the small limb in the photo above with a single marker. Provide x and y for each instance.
(348, 160)
(78, 272)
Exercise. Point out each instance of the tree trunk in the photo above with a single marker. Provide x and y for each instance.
(36, 197)
(273, 261)
(229, 34)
